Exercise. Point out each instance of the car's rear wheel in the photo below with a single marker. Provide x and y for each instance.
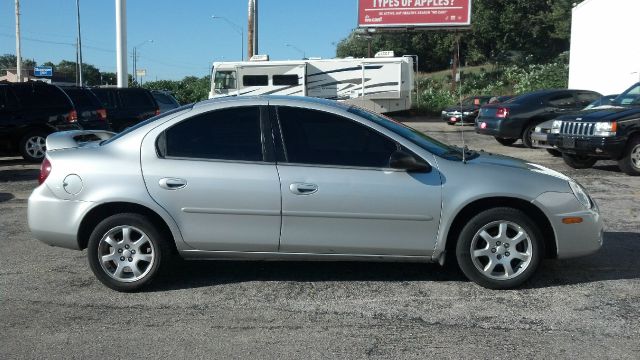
(554, 152)
(499, 248)
(125, 251)
(579, 161)
(33, 146)
(505, 141)
(526, 136)
(630, 162)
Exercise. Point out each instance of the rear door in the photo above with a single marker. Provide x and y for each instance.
(213, 174)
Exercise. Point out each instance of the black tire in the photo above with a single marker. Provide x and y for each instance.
(157, 250)
(504, 257)
(630, 162)
(526, 136)
(578, 161)
(554, 152)
(505, 141)
(32, 146)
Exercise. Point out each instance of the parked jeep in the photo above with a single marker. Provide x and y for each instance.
(602, 133)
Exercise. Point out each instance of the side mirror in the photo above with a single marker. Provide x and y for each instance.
(403, 161)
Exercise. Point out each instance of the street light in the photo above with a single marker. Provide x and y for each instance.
(135, 57)
(237, 28)
(304, 55)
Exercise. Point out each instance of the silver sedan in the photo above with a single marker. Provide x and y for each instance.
(286, 178)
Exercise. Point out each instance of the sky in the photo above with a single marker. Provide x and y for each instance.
(186, 40)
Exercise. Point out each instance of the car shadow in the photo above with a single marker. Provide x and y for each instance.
(19, 175)
(5, 197)
(617, 260)
(607, 167)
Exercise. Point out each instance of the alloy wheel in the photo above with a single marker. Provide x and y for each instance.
(501, 250)
(126, 254)
(35, 146)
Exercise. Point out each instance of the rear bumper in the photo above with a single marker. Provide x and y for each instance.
(498, 127)
(53, 220)
(598, 147)
(572, 240)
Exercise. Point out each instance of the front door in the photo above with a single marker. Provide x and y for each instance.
(339, 195)
(210, 173)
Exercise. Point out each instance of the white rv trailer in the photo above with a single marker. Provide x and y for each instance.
(382, 84)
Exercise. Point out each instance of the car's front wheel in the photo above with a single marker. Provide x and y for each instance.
(125, 251)
(499, 248)
(579, 161)
(505, 141)
(630, 162)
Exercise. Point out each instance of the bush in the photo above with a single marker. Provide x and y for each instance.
(435, 94)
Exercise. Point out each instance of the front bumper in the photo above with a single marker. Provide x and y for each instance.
(572, 240)
(55, 221)
(598, 147)
(539, 140)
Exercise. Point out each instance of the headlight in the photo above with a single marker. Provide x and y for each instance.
(443, 112)
(605, 129)
(581, 194)
(538, 129)
(555, 128)
(467, 113)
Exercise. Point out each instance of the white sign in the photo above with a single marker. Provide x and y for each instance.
(141, 72)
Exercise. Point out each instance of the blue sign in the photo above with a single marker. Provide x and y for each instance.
(43, 71)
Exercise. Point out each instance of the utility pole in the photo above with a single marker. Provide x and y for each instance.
(18, 51)
(252, 34)
(121, 43)
(79, 45)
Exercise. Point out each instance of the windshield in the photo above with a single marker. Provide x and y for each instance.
(224, 80)
(426, 142)
(630, 97)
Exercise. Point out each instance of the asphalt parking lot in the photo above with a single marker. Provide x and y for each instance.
(51, 306)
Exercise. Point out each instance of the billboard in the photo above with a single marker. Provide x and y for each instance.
(414, 13)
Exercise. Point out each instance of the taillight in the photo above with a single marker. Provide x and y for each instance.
(45, 170)
(157, 112)
(502, 112)
(102, 114)
(73, 116)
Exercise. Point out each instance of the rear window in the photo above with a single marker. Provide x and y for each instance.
(83, 98)
(105, 97)
(163, 99)
(42, 96)
(136, 99)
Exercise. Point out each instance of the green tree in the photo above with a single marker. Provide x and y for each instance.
(9, 61)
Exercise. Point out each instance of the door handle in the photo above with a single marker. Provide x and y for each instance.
(303, 188)
(172, 183)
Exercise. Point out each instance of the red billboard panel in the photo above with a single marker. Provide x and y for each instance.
(414, 13)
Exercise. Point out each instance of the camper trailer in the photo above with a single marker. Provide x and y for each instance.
(382, 84)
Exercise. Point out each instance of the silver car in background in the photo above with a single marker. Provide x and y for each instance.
(287, 178)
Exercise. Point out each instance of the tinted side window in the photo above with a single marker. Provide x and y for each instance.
(230, 134)
(561, 100)
(255, 80)
(315, 137)
(285, 80)
(135, 99)
(163, 99)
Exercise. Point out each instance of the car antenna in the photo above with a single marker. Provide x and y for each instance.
(464, 146)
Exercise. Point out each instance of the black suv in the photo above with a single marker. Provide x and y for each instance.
(518, 117)
(127, 106)
(608, 132)
(91, 114)
(28, 113)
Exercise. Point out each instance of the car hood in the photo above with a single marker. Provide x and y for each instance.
(608, 113)
(488, 159)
